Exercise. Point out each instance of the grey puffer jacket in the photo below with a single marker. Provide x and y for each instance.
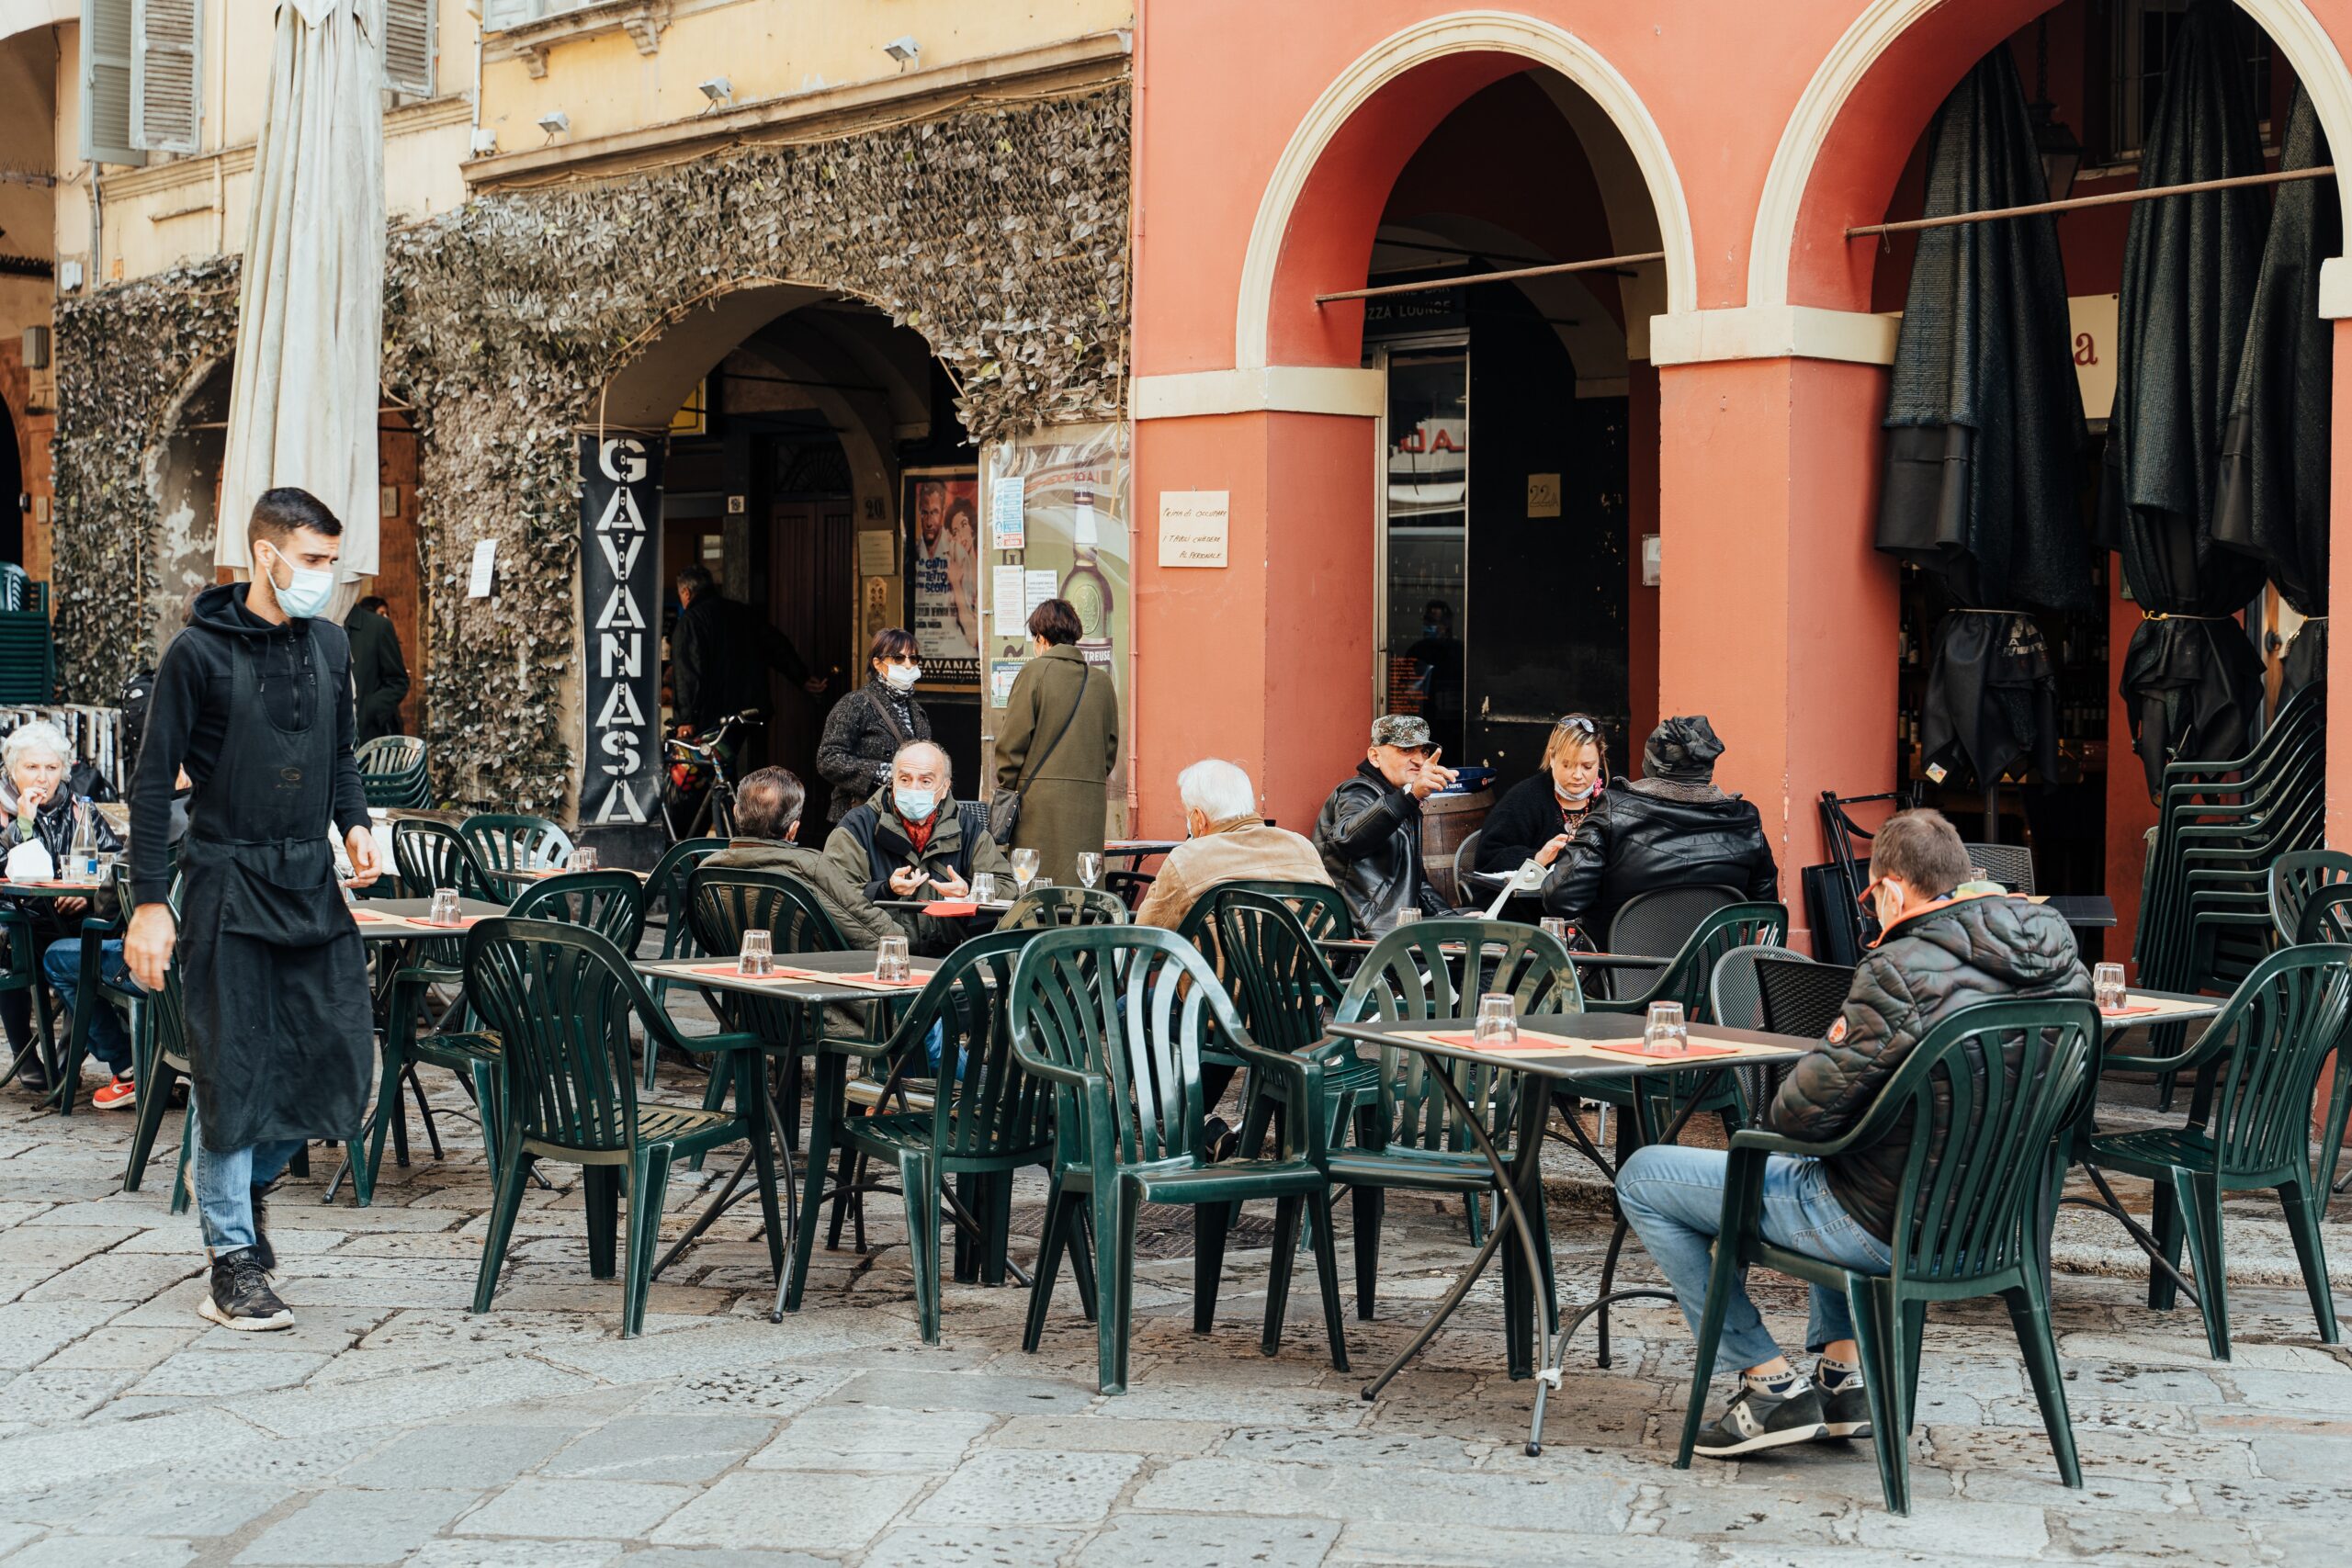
(1969, 950)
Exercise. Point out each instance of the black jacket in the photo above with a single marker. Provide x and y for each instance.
(1634, 842)
(1369, 834)
(863, 733)
(53, 825)
(1526, 819)
(188, 717)
(378, 674)
(721, 653)
(1971, 950)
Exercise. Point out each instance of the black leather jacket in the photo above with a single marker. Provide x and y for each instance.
(1634, 842)
(1971, 950)
(1369, 834)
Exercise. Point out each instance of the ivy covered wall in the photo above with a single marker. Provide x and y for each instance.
(999, 233)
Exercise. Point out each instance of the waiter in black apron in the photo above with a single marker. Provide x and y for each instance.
(254, 700)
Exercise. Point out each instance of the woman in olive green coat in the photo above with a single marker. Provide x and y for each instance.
(1061, 782)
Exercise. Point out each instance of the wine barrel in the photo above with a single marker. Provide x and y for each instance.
(1446, 821)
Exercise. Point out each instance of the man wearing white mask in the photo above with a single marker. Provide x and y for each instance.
(915, 840)
(254, 700)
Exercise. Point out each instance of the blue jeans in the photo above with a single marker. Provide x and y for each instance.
(1673, 1198)
(109, 1042)
(224, 1183)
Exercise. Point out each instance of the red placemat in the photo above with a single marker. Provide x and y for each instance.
(2132, 1010)
(949, 909)
(1528, 1045)
(359, 915)
(1690, 1053)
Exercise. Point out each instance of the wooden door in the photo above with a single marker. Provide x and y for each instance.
(812, 599)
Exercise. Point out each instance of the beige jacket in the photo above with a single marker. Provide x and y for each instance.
(1239, 849)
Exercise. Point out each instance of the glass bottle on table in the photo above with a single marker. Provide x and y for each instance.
(84, 866)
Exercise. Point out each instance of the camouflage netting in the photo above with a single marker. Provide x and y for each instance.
(999, 233)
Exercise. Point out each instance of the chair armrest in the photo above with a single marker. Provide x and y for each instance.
(1305, 1076)
(1764, 1143)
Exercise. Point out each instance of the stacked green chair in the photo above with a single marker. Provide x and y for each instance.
(507, 843)
(1112, 1017)
(393, 773)
(1415, 1139)
(609, 902)
(2255, 1073)
(2327, 917)
(1043, 908)
(1984, 1146)
(987, 1118)
(559, 1000)
(2295, 879)
(665, 909)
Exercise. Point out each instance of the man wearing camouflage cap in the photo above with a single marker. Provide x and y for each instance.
(1368, 832)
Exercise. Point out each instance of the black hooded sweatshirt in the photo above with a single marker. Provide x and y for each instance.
(189, 718)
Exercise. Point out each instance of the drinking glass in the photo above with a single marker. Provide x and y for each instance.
(1557, 928)
(1978, 874)
(757, 959)
(983, 887)
(1665, 1033)
(1405, 916)
(584, 858)
(444, 911)
(1025, 867)
(1089, 867)
(2108, 986)
(891, 961)
(1497, 1023)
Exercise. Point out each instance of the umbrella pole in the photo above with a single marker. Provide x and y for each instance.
(1993, 812)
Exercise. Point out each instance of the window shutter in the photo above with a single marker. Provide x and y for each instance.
(166, 47)
(497, 14)
(408, 47)
(106, 83)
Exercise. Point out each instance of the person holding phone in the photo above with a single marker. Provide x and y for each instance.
(1369, 831)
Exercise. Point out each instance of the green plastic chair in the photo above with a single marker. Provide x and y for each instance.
(159, 1045)
(393, 772)
(1283, 990)
(1319, 909)
(987, 1120)
(1318, 905)
(2256, 1071)
(1685, 980)
(1414, 1140)
(1997, 1142)
(665, 907)
(428, 854)
(1043, 908)
(2295, 879)
(503, 841)
(609, 902)
(1112, 1017)
(559, 999)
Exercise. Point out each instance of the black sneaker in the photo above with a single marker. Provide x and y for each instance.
(1218, 1139)
(262, 1249)
(1847, 1411)
(1755, 1420)
(241, 1297)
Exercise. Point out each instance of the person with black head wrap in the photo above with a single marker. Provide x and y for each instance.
(1670, 827)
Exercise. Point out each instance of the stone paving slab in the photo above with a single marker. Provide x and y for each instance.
(394, 1426)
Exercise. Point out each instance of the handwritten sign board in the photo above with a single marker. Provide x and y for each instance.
(1194, 526)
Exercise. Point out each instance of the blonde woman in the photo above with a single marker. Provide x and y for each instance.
(1537, 817)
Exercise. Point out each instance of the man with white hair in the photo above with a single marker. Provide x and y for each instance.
(1226, 841)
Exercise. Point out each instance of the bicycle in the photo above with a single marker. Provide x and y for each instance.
(714, 814)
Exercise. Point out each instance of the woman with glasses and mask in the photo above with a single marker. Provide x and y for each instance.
(867, 729)
(1537, 817)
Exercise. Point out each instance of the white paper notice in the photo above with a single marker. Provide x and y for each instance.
(1002, 674)
(876, 553)
(1006, 594)
(485, 556)
(1007, 525)
(1192, 527)
(1042, 586)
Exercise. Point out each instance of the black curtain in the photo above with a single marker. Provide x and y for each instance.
(1984, 430)
(2273, 501)
(2192, 681)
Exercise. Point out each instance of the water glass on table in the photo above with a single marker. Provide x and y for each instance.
(1665, 1033)
(1089, 868)
(444, 909)
(2107, 987)
(1557, 930)
(1498, 1020)
(983, 887)
(1405, 916)
(756, 960)
(584, 858)
(891, 961)
(1025, 867)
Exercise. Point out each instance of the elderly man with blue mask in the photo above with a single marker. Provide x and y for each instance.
(915, 840)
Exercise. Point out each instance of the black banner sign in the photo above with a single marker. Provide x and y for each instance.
(620, 557)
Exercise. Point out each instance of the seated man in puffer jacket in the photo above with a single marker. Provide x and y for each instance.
(1943, 949)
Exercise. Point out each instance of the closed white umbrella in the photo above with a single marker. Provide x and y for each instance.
(305, 388)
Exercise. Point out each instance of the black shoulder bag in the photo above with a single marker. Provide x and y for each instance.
(1004, 807)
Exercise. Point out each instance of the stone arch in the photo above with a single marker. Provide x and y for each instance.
(1835, 164)
(1408, 82)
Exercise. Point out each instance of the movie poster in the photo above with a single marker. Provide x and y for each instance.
(942, 512)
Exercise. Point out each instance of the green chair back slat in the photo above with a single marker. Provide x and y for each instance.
(2325, 916)
(428, 855)
(985, 1104)
(610, 902)
(2295, 879)
(1282, 986)
(723, 903)
(666, 892)
(1041, 909)
(554, 996)
(1757, 924)
(507, 841)
(2258, 1062)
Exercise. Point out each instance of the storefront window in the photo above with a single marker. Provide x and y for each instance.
(1422, 668)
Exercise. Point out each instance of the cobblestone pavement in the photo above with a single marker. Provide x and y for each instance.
(392, 1427)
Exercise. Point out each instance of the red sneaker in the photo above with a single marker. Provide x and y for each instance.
(117, 1093)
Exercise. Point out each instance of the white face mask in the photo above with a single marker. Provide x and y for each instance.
(901, 677)
(307, 594)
